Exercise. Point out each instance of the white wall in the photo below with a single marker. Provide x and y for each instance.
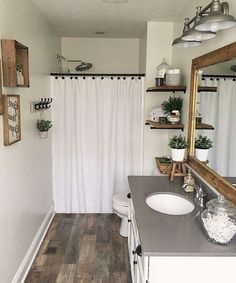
(25, 167)
(143, 52)
(159, 40)
(182, 57)
(108, 55)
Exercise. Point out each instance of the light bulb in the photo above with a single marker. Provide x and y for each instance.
(214, 27)
(198, 37)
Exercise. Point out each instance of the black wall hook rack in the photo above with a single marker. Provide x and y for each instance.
(43, 104)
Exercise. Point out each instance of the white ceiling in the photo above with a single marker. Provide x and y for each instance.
(82, 18)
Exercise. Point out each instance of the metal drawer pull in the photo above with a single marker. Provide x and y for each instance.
(129, 195)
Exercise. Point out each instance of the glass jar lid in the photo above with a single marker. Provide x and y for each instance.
(221, 204)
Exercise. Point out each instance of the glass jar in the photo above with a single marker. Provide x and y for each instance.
(161, 71)
(219, 221)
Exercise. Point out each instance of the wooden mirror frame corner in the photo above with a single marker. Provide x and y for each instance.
(215, 180)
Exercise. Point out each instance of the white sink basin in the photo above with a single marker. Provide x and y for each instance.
(170, 203)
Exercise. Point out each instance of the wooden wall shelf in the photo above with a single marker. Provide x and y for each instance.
(13, 53)
(156, 125)
(204, 126)
(167, 89)
(207, 89)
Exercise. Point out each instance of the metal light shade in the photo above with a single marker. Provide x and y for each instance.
(195, 35)
(218, 18)
(178, 42)
(215, 23)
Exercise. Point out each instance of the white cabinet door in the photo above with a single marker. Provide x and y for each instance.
(138, 263)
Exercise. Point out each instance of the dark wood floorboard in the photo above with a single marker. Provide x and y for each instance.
(82, 248)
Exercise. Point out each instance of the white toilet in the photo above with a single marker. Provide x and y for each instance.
(120, 207)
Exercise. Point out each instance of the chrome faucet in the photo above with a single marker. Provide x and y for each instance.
(200, 196)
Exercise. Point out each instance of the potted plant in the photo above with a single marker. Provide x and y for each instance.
(178, 145)
(173, 103)
(202, 146)
(43, 126)
(172, 107)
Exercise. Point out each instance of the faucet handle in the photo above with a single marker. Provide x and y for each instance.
(201, 191)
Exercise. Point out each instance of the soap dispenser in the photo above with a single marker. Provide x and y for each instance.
(188, 182)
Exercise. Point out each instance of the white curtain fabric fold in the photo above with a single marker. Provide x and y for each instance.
(97, 136)
(218, 109)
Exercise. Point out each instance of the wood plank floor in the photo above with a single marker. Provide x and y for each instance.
(82, 248)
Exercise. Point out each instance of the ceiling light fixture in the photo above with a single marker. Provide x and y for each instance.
(205, 24)
(180, 43)
(217, 19)
(196, 35)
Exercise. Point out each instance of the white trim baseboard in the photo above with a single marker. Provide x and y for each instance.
(33, 249)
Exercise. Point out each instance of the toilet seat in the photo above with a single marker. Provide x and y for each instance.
(120, 199)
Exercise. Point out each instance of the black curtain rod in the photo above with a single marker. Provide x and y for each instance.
(220, 76)
(95, 75)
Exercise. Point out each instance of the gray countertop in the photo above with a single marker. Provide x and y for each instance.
(170, 235)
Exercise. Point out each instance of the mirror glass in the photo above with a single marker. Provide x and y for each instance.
(217, 107)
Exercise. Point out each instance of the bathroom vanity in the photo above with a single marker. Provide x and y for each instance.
(167, 248)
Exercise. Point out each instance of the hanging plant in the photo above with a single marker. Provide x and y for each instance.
(44, 125)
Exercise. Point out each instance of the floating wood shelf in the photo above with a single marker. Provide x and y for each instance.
(166, 88)
(204, 126)
(156, 125)
(13, 53)
(207, 89)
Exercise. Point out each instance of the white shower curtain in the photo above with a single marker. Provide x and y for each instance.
(97, 136)
(218, 109)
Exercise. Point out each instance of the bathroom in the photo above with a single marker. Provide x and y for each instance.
(137, 36)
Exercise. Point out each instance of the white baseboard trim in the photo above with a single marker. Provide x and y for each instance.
(33, 249)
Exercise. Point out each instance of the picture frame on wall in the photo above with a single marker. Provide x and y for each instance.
(11, 119)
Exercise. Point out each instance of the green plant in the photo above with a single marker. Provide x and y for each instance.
(19, 67)
(203, 142)
(44, 125)
(173, 103)
(178, 142)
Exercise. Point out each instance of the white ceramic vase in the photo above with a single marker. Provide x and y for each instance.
(20, 78)
(201, 154)
(43, 134)
(177, 154)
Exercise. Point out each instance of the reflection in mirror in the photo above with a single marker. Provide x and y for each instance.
(219, 110)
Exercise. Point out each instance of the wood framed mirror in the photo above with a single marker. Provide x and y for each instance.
(212, 65)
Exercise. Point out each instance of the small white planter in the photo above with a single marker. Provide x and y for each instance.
(43, 135)
(201, 154)
(177, 154)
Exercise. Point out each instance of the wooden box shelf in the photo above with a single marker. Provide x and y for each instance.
(167, 89)
(13, 53)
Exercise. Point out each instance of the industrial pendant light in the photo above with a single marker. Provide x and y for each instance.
(180, 43)
(218, 18)
(195, 35)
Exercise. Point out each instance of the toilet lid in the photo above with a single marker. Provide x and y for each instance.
(121, 198)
